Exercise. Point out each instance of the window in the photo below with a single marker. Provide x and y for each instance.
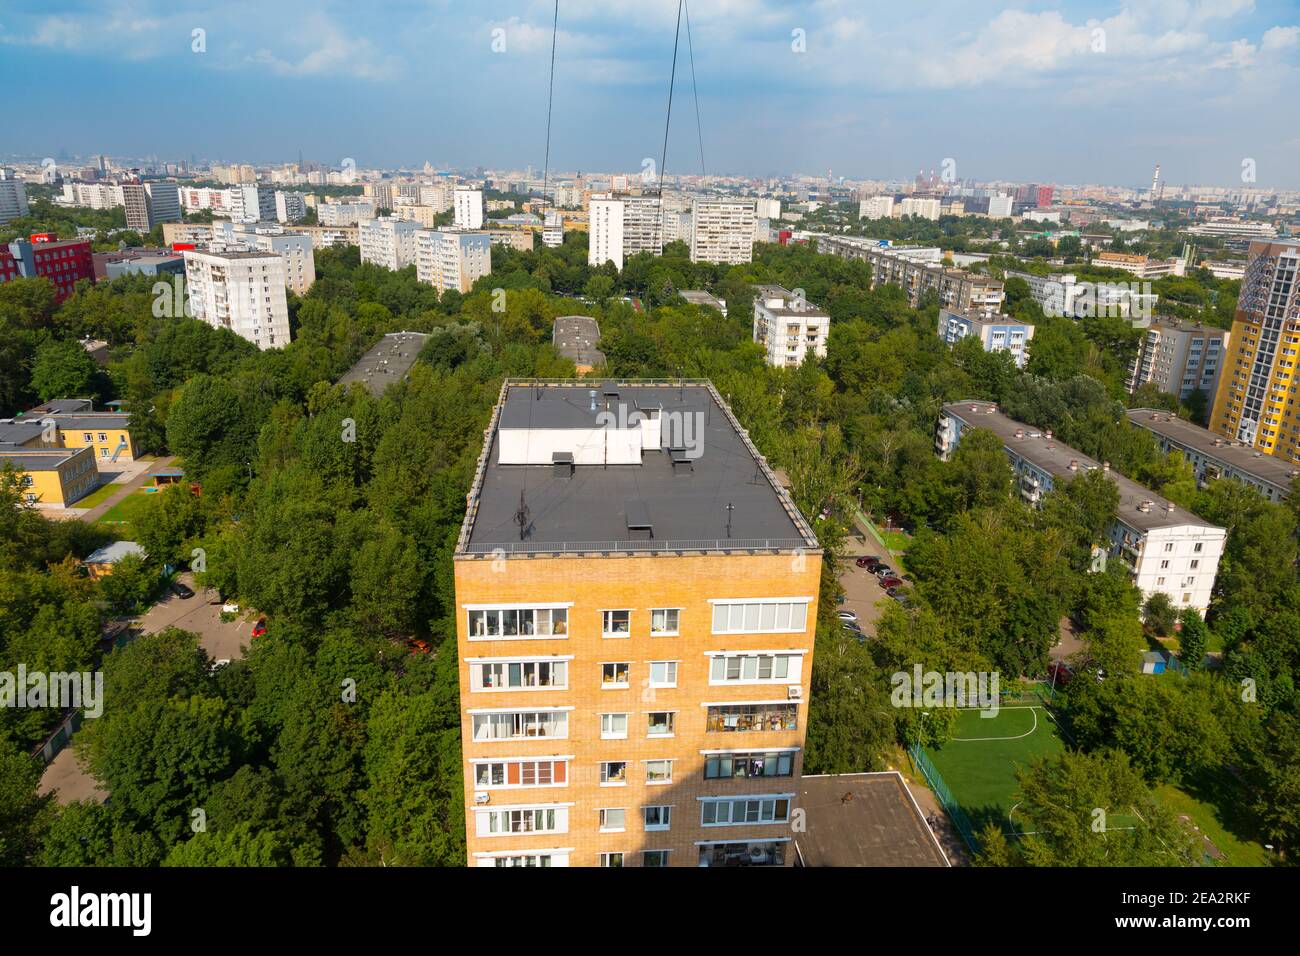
(614, 675)
(734, 812)
(613, 821)
(754, 853)
(657, 818)
(658, 771)
(758, 764)
(1164, 565)
(661, 723)
(613, 726)
(87, 437)
(1169, 547)
(518, 622)
(754, 668)
(512, 725)
(520, 773)
(102, 437)
(613, 772)
(611, 860)
(519, 675)
(654, 858)
(743, 718)
(755, 617)
(1197, 547)
(616, 623)
(525, 820)
(532, 859)
(663, 673)
(664, 621)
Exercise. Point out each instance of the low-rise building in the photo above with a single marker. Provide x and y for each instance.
(696, 297)
(389, 360)
(1167, 549)
(1214, 456)
(575, 337)
(788, 327)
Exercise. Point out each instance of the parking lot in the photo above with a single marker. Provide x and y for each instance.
(202, 615)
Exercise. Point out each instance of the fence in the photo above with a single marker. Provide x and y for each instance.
(955, 813)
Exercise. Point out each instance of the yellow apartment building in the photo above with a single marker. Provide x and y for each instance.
(637, 602)
(52, 476)
(1256, 400)
(107, 434)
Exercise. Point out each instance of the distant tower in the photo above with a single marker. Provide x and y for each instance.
(1155, 184)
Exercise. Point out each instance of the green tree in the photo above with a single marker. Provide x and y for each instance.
(1193, 638)
(63, 369)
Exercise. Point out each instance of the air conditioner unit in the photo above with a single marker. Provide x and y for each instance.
(794, 692)
(482, 797)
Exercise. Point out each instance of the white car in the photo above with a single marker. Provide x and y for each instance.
(230, 608)
(847, 616)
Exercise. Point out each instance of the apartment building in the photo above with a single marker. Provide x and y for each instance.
(1213, 456)
(389, 242)
(1143, 267)
(1256, 400)
(348, 213)
(468, 205)
(296, 249)
(994, 332)
(622, 226)
(148, 204)
(289, 207)
(919, 206)
(241, 291)
(788, 326)
(636, 603)
(553, 230)
(252, 204)
(1061, 294)
(1179, 358)
(64, 263)
(449, 259)
(13, 196)
(767, 208)
(877, 207)
(702, 298)
(1166, 549)
(918, 271)
(90, 195)
(722, 231)
(54, 477)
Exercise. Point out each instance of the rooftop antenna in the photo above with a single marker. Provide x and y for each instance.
(521, 516)
(592, 393)
(730, 509)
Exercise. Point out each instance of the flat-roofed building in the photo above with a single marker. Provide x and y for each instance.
(918, 271)
(636, 601)
(1167, 549)
(697, 297)
(722, 231)
(994, 332)
(240, 291)
(575, 337)
(387, 361)
(450, 259)
(1179, 357)
(55, 477)
(389, 242)
(622, 226)
(1214, 456)
(789, 327)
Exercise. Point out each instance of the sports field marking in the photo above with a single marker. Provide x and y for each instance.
(1027, 733)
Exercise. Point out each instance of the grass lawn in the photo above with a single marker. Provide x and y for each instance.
(1203, 801)
(979, 764)
(119, 517)
(98, 496)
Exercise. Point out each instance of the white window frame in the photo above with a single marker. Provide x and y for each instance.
(604, 782)
(759, 798)
(612, 735)
(666, 813)
(672, 724)
(664, 683)
(794, 666)
(676, 631)
(477, 762)
(515, 712)
(760, 603)
(616, 685)
(602, 822)
(605, 619)
(659, 783)
(477, 664)
(470, 609)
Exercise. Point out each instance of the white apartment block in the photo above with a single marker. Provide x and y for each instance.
(351, 212)
(1000, 206)
(296, 249)
(788, 327)
(995, 333)
(92, 195)
(553, 230)
(877, 207)
(622, 227)
(240, 291)
(469, 208)
(289, 207)
(252, 204)
(389, 242)
(13, 196)
(722, 231)
(1167, 550)
(919, 206)
(449, 259)
(767, 208)
(437, 195)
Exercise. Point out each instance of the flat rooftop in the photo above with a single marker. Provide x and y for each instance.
(1055, 457)
(673, 505)
(864, 819)
(388, 361)
(575, 337)
(699, 297)
(1241, 457)
(36, 459)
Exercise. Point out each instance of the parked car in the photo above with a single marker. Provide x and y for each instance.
(868, 561)
(882, 569)
(1059, 674)
(850, 616)
(230, 607)
(181, 591)
(890, 582)
(260, 627)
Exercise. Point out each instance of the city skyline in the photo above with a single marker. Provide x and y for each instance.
(1027, 94)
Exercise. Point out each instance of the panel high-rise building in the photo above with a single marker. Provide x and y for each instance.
(636, 603)
(623, 226)
(1255, 402)
(450, 259)
(389, 242)
(722, 231)
(469, 208)
(240, 291)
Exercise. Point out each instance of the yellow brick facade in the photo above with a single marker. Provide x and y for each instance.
(591, 585)
(103, 440)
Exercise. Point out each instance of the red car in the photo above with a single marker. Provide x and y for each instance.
(418, 646)
(260, 627)
(891, 582)
(868, 562)
(1059, 674)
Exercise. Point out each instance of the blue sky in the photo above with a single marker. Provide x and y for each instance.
(1052, 92)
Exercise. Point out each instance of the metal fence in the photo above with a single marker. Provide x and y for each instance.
(955, 813)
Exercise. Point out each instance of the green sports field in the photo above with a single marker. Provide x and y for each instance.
(979, 763)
